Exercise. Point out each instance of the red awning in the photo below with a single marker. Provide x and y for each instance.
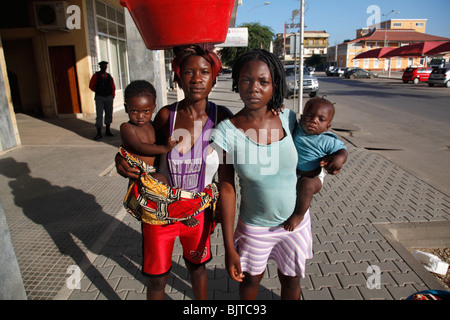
(374, 53)
(442, 48)
(413, 50)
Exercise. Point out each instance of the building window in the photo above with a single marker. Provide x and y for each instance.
(419, 24)
(112, 42)
(366, 63)
(375, 63)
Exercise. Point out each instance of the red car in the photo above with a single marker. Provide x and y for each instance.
(416, 74)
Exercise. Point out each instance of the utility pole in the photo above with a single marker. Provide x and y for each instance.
(295, 70)
(300, 83)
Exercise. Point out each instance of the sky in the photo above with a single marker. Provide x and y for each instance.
(341, 18)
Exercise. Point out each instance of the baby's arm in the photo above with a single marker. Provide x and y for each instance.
(333, 163)
(133, 141)
(310, 174)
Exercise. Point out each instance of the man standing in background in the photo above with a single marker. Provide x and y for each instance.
(102, 83)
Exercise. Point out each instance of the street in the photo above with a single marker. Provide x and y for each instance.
(405, 123)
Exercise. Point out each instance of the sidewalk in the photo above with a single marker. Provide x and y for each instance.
(62, 200)
(392, 75)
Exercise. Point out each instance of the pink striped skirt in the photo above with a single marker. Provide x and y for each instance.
(256, 245)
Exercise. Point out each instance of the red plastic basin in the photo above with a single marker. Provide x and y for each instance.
(167, 23)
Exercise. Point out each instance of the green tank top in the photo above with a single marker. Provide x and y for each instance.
(267, 173)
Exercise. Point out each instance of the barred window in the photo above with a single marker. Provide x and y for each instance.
(112, 42)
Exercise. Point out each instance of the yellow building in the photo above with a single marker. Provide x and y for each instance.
(398, 32)
(418, 25)
(50, 63)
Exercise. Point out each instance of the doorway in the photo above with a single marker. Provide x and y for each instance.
(65, 82)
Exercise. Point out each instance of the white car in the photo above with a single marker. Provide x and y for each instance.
(440, 76)
(310, 83)
(329, 70)
(339, 72)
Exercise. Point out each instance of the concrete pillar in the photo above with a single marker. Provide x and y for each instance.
(9, 134)
(11, 287)
(145, 64)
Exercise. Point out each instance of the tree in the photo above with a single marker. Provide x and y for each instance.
(258, 36)
(315, 60)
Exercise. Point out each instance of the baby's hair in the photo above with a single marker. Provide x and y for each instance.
(139, 88)
(276, 70)
(320, 101)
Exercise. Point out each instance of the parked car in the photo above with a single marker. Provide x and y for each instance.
(226, 70)
(329, 70)
(339, 72)
(416, 74)
(360, 73)
(440, 76)
(348, 69)
(310, 83)
(437, 63)
(335, 71)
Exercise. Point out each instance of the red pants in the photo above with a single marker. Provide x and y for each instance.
(158, 242)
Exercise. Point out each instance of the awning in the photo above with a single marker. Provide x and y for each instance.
(418, 49)
(442, 48)
(374, 53)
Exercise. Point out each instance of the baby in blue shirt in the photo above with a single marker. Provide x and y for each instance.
(317, 148)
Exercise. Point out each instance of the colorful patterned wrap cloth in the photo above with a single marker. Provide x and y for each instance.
(154, 202)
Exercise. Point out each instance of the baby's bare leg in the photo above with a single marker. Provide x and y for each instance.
(306, 188)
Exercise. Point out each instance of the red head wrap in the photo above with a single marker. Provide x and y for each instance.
(202, 50)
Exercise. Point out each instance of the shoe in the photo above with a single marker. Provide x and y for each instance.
(108, 132)
(99, 134)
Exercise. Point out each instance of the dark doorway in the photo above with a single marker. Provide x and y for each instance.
(65, 83)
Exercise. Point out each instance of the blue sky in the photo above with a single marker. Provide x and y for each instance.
(341, 18)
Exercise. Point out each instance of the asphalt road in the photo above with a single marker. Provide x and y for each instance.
(406, 123)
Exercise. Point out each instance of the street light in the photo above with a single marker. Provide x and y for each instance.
(385, 24)
(264, 4)
(385, 35)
